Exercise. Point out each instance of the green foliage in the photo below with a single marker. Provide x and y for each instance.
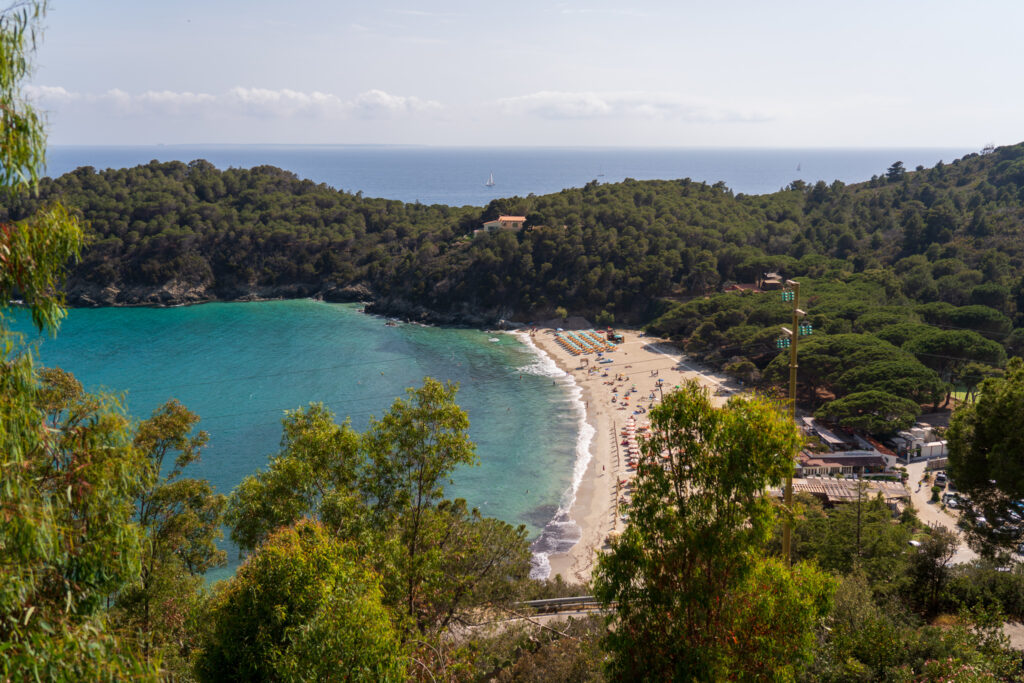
(565, 651)
(301, 608)
(930, 569)
(875, 412)
(33, 250)
(876, 258)
(859, 536)
(778, 609)
(180, 519)
(384, 490)
(867, 641)
(617, 247)
(693, 600)
(73, 652)
(947, 351)
(985, 438)
(68, 538)
(23, 142)
(985, 585)
(901, 378)
(312, 474)
(986, 448)
(844, 364)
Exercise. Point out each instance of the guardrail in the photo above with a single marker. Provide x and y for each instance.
(553, 605)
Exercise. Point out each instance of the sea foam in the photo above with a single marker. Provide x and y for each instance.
(543, 365)
(562, 532)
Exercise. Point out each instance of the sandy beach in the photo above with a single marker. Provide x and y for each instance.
(639, 361)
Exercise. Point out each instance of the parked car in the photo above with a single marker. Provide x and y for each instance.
(1008, 531)
(940, 478)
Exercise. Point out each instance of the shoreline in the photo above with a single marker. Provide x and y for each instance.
(640, 361)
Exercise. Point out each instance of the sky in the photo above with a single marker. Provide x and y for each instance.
(683, 73)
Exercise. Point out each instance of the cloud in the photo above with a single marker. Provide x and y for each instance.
(263, 103)
(48, 93)
(238, 101)
(377, 103)
(551, 104)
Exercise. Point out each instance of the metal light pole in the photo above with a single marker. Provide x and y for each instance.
(790, 340)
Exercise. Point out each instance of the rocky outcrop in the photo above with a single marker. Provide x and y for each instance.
(89, 295)
(86, 294)
(463, 314)
(173, 293)
(341, 294)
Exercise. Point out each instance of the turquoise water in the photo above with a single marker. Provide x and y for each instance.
(240, 365)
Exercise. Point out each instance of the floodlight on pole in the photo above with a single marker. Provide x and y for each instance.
(791, 339)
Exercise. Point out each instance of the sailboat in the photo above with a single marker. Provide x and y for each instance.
(490, 181)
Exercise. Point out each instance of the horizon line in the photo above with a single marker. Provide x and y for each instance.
(524, 147)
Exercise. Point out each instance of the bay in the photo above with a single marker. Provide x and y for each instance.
(456, 175)
(241, 365)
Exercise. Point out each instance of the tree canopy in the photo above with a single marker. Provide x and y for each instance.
(693, 598)
(986, 443)
(384, 488)
(302, 607)
(873, 411)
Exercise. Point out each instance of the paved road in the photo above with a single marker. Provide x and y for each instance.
(932, 513)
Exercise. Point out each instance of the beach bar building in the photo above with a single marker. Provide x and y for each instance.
(833, 491)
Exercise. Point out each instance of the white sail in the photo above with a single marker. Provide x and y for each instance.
(490, 180)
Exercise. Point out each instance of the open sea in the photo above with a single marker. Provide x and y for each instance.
(456, 176)
(241, 365)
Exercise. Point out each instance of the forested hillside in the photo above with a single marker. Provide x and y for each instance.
(164, 229)
(913, 274)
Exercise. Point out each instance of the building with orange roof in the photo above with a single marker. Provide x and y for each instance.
(505, 223)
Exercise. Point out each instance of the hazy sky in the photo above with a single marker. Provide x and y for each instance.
(707, 73)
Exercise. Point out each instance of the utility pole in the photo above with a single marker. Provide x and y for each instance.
(790, 341)
(860, 490)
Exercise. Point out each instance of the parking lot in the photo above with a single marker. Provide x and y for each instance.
(932, 513)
